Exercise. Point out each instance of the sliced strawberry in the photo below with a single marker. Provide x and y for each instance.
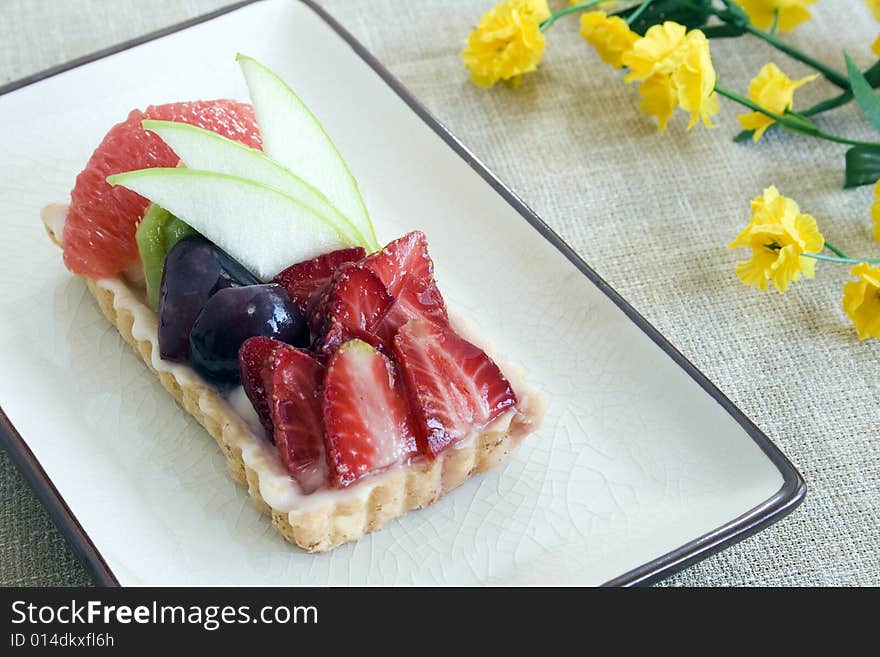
(454, 387)
(356, 300)
(405, 257)
(366, 415)
(417, 300)
(297, 417)
(337, 334)
(254, 355)
(306, 281)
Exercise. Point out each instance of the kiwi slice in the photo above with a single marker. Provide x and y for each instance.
(156, 234)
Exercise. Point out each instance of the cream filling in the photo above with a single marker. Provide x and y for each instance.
(277, 488)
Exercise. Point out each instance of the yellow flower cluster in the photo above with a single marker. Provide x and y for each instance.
(778, 234)
(507, 42)
(763, 13)
(774, 91)
(861, 300)
(609, 35)
(675, 69)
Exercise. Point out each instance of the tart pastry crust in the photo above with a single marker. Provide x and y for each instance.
(318, 528)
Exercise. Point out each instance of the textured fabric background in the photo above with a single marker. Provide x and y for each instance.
(651, 212)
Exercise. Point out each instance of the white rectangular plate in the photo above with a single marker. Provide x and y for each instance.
(641, 466)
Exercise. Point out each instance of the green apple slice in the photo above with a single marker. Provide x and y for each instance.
(262, 228)
(293, 137)
(207, 151)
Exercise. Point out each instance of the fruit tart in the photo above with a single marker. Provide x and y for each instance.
(229, 244)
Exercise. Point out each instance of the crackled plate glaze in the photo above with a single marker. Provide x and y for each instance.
(641, 466)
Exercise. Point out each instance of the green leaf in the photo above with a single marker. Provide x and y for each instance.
(804, 123)
(862, 166)
(733, 14)
(723, 31)
(690, 13)
(866, 98)
(872, 75)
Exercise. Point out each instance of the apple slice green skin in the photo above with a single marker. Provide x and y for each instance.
(207, 151)
(294, 137)
(262, 228)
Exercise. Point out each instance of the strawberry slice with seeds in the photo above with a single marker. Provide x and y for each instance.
(366, 416)
(404, 258)
(253, 356)
(305, 281)
(454, 387)
(357, 300)
(338, 334)
(295, 402)
(417, 300)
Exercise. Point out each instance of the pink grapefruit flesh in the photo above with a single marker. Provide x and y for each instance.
(99, 232)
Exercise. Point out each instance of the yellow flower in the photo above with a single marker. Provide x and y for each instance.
(778, 235)
(861, 300)
(774, 91)
(875, 211)
(610, 36)
(676, 69)
(659, 98)
(507, 42)
(659, 51)
(695, 80)
(763, 12)
(875, 47)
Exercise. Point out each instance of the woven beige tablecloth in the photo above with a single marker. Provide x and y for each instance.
(651, 212)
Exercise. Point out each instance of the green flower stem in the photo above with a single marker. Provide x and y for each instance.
(835, 250)
(829, 104)
(834, 77)
(840, 257)
(775, 24)
(843, 261)
(872, 75)
(734, 15)
(787, 122)
(633, 17)
(569, 10)
(818, 108)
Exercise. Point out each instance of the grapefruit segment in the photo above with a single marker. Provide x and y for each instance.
(99, 232)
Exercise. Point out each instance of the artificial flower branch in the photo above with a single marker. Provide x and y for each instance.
(834, 77)
(841, 257)
(734, 15)
(872, 75)
(672, 65)
(788, 121)
(785, 244)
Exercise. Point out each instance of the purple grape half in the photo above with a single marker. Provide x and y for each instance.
(235, 314)
(195, 269)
